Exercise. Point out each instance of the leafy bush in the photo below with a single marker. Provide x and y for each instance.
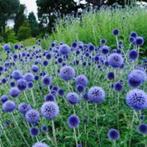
(24, 32)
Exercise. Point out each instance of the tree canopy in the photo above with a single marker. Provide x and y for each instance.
(8, 9)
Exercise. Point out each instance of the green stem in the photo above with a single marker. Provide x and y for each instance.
(3, 130)
(114, 144)
(20, 131)
(75, 136)
(26, 97)
(131, 128)
(33, 97)
(54, 133)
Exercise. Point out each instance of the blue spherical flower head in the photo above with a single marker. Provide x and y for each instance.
(103, 41)
(133, 54)
(6, 47)
(139, 41)
(132, 40)
(49, 110)
(142, 128)
(115, 60)
(113, 134)
(47, 80)
(136, 77)
(81, 80)
(61, 92)
(48, 56)
(16, 74)
(96, 95)
(4, 98)
(110, 76)
(35, 68)
(73, 121)
(34, 131)
(104, 49)
(133, 34)
(21, 84)
(80, 88)
(64, 49)
(44, 128)
(115, 32)
(1, 68)
(45, 63)
(73, 98)
(9, 106)
(67, 73)
(30, 85)
(136, 99)
(32, 116)
(29, 77)
(16, 46)
(49, 97)
(91, 47)
(79, 145)
(24, 107)
(40, 144)
(14, 92)
(4, 80)
(118, 86)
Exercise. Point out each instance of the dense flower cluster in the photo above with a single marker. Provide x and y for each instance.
(44, 93)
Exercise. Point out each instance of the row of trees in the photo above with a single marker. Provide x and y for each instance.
(24, 26)
(48, 12)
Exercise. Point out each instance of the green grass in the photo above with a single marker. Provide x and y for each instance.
(97, 25)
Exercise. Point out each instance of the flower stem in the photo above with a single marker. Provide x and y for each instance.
(75, 136)
(20, 131)
(54, 133)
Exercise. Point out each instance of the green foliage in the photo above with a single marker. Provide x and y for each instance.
(49, 11)
(28, 42)
(8, 8)
(24, 31)
(98, 25)
(33, 24)
(10, 36)
(20, 18)
(111, 2)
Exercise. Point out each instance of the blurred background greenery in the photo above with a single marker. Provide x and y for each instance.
(67, 20)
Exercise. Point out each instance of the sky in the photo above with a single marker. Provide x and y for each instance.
(30, 6)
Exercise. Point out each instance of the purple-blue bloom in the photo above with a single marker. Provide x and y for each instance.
(14, 92)
(32, 116)
(113, 134)
(49, 110)
(73, 121)
(96, 95)
(136, 99)
(81, 80)
(67, 73)
(73, 98)
(40, 144)
(9, 106)
(136, 77)
(64, 49)
(115, 60)
(24, 107)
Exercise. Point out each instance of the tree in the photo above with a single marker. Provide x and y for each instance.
(50, 10)
(8, 9)
(111, 2)
(33, 24)
(24, 31)
(20, 18)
